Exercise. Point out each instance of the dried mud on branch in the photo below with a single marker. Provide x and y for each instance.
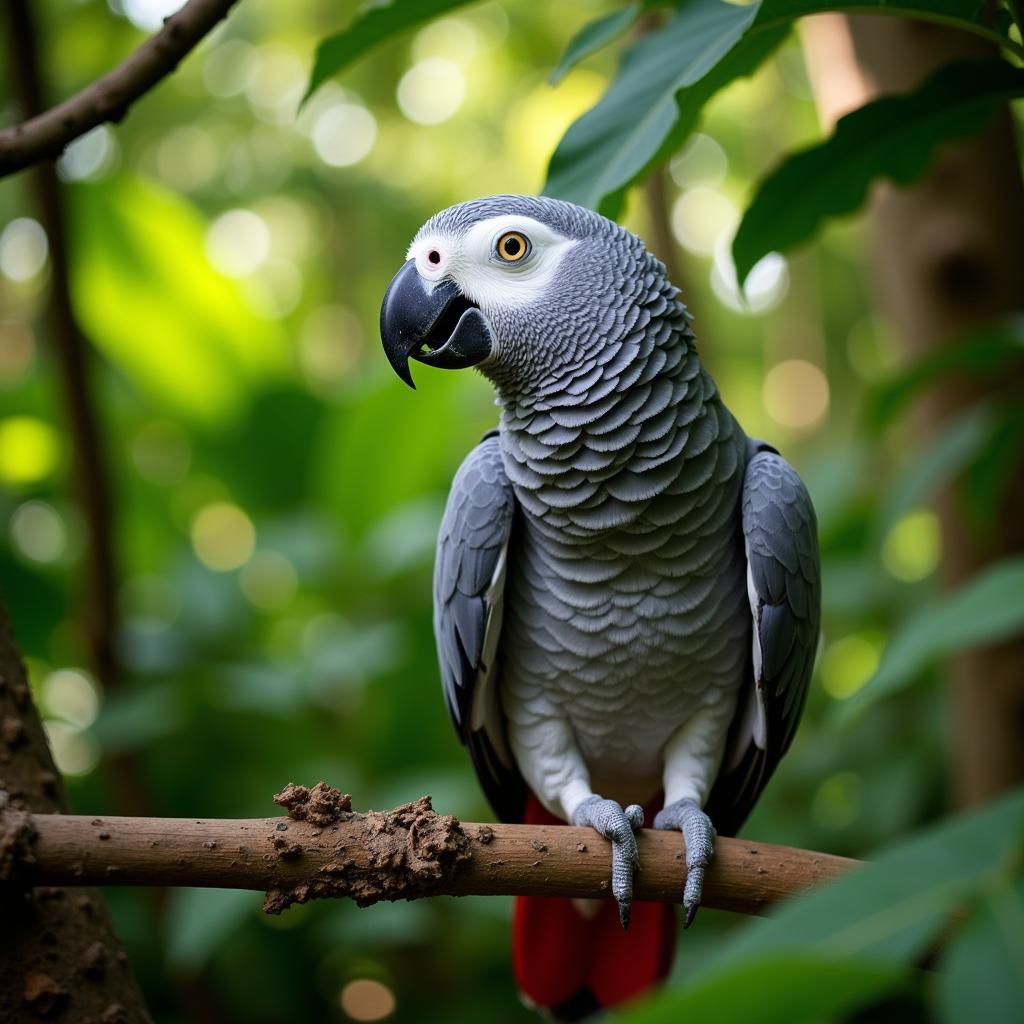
(403, 853)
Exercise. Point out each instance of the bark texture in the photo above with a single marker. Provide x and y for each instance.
(323, 849)
(948, 258)
(59, 957)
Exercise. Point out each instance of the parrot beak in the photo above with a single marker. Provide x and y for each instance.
(439, 326)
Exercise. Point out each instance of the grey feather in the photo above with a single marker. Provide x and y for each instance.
(472, 543)
(780, 531)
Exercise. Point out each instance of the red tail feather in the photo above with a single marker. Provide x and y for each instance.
(572, 964)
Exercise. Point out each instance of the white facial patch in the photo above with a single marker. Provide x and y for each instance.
(471, 261)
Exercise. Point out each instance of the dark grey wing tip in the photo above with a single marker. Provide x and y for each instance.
(780, 533)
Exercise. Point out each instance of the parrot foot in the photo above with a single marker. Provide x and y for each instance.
(699, 835)
(608, 819)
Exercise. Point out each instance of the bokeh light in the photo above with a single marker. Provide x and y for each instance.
(278, 84)
(71, 695)
(230, 68)
(188, 157)
(149, 14)
(796, 394)
(238, 243)
(269, 581)
(454, 39)
(700, 217)
(38, 532)
(849, 663)
(29, 450)
(431, 91)
(838, 800)
(23, 249)
(90, 156)
(344, 134)
(912, 548)
(701, 162)
(74, 750)
(764, 289)
(366, 999)
(223, 536)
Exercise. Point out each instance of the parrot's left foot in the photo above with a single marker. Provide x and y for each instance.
(617, 825)
(699, 834)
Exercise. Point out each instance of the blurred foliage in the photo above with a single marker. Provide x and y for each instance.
(278, 490)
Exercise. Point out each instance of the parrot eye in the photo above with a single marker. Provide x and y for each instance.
(512, 247)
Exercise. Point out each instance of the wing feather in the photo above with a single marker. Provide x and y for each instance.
(469, 583)
(784, 586)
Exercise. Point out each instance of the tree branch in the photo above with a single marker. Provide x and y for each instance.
(325, 850)
(45, 136)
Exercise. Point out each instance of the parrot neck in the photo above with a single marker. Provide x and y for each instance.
(599, 445)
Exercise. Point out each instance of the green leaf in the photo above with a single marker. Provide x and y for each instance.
(594, 36)
(667, 77)
(894, 136)
(981, 974)
(614, 142)
(994, 349)
(877, 920)
(151, 303)
(986, 609)
(960, 442)
(376, 23)
(793, 989)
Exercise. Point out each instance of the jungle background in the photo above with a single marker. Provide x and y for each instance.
(272, 492)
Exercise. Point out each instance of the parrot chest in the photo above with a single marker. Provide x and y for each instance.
(628, 644)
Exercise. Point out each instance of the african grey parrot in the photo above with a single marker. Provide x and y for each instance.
(626, 591)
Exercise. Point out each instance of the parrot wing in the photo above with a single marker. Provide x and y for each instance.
(469, 583)
(784, 587)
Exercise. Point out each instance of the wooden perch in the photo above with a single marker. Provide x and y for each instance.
(45, 136)
(323, 849)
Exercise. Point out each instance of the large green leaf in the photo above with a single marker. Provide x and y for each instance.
(148, 299)
(802, 988)
(981, 974)
(986, 609)
(894, 136)
(648, 108)
(594, 36)
(611, 145)
(373, 25)
(877, 921)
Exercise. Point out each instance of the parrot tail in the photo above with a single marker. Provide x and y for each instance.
(572, 958)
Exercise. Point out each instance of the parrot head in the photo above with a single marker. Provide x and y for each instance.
(516, 286)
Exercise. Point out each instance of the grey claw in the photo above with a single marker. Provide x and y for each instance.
(699, 835)
(616, 825)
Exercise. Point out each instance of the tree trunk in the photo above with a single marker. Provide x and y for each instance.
(948, 257)
(59, 955)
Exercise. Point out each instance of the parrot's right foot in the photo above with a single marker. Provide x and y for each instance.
(616, 825)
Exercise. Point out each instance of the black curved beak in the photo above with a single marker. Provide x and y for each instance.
(440, 327)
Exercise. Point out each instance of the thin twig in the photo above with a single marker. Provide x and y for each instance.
(45, 135)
